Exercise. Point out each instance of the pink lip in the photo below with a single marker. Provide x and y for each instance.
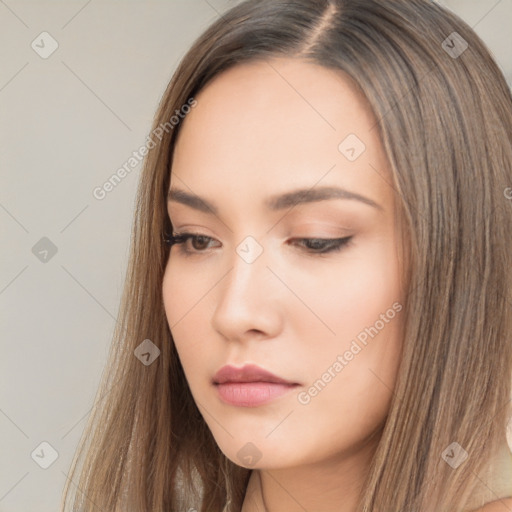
(247, 373)
(249, 386)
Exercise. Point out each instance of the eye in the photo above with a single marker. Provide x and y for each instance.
(182, 238)
(312, 245)
(325, 245)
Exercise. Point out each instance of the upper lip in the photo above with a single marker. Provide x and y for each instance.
(247, 373)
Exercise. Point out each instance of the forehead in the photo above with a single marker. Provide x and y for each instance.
(261, 126)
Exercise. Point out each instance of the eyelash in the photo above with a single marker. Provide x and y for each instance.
(331, 244)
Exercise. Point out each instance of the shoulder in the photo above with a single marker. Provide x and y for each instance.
(502, 505)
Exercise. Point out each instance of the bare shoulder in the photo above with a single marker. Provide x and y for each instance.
(502, 505)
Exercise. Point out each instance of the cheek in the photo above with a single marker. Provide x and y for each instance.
(350, 292)
(353, 373)
(188, 302)
(350, 393)
(185, 294)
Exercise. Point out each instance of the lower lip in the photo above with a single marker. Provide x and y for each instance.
(251, 394)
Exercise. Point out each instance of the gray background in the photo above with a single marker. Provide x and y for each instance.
(67, 123)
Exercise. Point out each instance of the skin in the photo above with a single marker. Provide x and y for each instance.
(260, 129)
(504, 505)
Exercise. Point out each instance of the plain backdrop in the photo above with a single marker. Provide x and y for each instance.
(68, 121)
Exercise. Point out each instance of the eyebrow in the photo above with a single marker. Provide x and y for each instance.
(274, 203)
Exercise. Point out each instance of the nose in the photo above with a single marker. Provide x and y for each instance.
(248, 303)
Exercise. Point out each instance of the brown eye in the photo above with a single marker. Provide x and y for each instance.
(199, 242)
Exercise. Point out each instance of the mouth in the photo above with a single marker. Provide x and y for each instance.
(250, 385)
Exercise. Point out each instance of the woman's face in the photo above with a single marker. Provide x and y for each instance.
(252, 291)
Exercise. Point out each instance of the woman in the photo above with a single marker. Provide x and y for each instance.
(318, 296)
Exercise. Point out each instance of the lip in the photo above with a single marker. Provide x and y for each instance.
(249, 386)
(247, 373)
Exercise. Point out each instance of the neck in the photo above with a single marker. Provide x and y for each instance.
(332, 485)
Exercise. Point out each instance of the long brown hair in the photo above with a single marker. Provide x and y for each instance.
(444, 114)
